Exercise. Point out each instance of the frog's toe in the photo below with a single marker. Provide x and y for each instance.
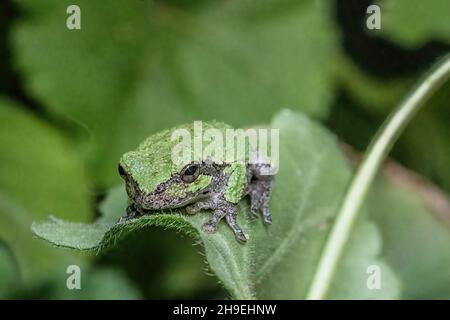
(209, 227)
(131, 214)
(126, 218)
(267, 217)
(240, 236)
(254, 210)
(254, 205)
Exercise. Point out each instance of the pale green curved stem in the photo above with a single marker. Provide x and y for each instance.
(365, 174)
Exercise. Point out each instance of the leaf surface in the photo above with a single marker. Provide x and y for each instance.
(39, 175)
(278, 261)
(414, 22)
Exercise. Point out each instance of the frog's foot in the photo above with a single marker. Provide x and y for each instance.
(211, 225)
(132, 213)
(229, 212)
(259, 199)
(238, 233)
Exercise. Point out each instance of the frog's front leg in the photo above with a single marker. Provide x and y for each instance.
(131, 213)
(231, 220)
(223, 209)
(211, 225)
(218, 213)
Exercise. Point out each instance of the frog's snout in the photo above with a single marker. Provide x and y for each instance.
(122, 172)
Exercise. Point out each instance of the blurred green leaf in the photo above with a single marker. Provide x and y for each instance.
(423, 147)
(40, 169)
(414, 22)
(279, 261)
(415, 238)
(96, 284)
(136, 67)
(39, 174)
(376, 96)
(9, 276)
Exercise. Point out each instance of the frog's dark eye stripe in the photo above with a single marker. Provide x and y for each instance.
(190, 173)
(122, 171)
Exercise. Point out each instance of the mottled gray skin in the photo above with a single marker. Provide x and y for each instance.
(212, 197)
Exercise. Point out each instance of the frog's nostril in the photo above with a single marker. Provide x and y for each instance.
(122, 171)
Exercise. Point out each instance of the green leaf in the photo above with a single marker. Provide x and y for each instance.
(96, 284)
(414, 22)
(414, 219)
(278, 261)
(365, 174)
(137, 67)
(9, 279)
(375, 96)
(40, 174)
(423, 147)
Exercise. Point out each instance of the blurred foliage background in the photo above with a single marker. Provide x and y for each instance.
(72, 101)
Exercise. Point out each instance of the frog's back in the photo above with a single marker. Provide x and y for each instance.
(163, 143)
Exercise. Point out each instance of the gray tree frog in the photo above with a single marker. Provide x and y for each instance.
(155, 182)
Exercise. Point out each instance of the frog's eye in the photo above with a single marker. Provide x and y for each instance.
(190, 173)
(122, 171)
(159, 189)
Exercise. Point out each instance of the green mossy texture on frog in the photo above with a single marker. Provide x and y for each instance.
(203, 171)
(151, 163)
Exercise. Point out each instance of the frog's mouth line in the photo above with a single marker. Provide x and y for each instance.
(170, 203)
(138, 204)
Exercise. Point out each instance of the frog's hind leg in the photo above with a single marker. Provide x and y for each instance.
(259, 199)
(259, 191)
